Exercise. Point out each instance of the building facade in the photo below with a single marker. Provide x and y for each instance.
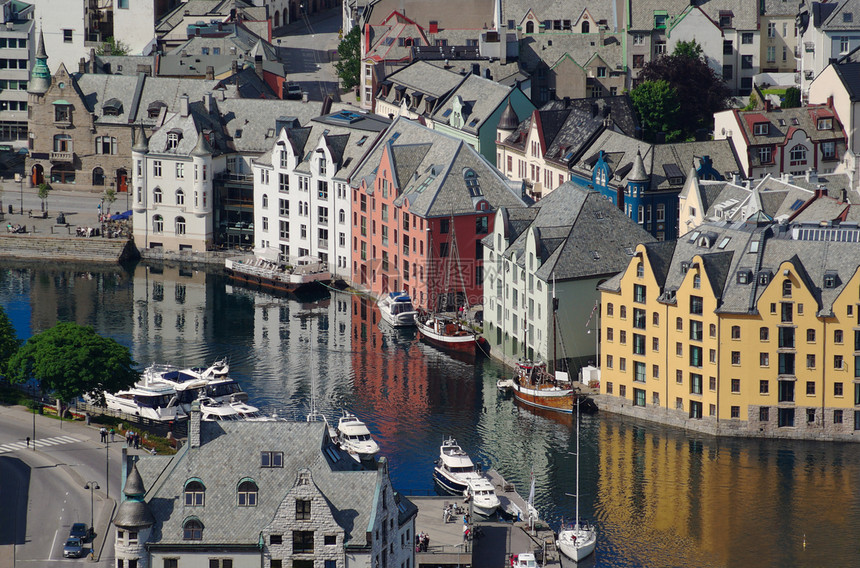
(738, 329)
(18, 50)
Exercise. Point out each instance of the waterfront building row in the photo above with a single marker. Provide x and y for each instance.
(745, 328)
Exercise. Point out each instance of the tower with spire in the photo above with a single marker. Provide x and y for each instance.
(133, 522)
(40, 76)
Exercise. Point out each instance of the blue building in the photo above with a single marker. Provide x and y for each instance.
(644, 180)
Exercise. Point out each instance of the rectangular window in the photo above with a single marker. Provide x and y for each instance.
(639, 318)
(303, 542)
(763, 386)
(284, 183)
(156, 168)
(695, 383)
(303, 510)
(271, 459)
(696, 305)
(695, 356)
(763, 414)
(67, 36)
(639, 344)
(786, 363)
(736, 411)
(638, 397)
(746, 61)
(639, 293)
(639, 371)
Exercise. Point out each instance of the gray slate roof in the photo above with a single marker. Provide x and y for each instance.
(582, 235)
(549, 48)
(481, 98)
(349, 489)
(745, 14)
(422, 155)
(841, 16)
(544, 10)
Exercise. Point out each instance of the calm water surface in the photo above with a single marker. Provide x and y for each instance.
(660, 497)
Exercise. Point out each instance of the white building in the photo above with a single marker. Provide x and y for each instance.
(18, 49)
(826, 30)
(302, 200)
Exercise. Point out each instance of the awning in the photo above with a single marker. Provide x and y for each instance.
(62, 102)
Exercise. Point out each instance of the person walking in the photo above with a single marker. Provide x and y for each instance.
(103, 434)
(112, 435)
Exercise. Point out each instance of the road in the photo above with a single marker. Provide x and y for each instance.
(304, 46)
(45, 489)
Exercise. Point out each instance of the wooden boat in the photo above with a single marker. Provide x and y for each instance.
(448, 333)
(534, 386)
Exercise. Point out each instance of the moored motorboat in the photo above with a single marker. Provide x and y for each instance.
(454, 468)
(156, 402)
(397, 309)
(354, 437)
(482, 495)
(524, 560)
(214, 410)
(193, 383)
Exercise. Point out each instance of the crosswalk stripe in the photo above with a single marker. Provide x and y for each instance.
(47, 442)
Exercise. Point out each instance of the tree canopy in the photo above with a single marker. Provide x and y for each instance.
(9, 342)
(701, 92)
(656, 103)
(349, 66)
(71, 360)
(690, 49)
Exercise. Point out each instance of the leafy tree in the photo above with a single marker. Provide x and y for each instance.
(44, 189)
(109, 196)
(701, 92)
(112, 46)
(656, 103)
(691, 49)
(9, 342)
(349, 66)
(752, 103)
(792, 98)
(71, 360)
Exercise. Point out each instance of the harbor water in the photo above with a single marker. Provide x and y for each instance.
(660, 497)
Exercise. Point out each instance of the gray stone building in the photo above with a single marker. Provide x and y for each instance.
(268, 494)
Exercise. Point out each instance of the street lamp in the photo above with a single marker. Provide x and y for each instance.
(20, 179)
(35, 410)
(92, 486)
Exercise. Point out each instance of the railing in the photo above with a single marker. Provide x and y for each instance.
(232, 176)
(62, 157)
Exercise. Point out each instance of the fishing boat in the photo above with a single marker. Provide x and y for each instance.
(156, 402)
(354, 437)
(482, 495)
(397, 309)
(454, 468)
(534, 386)
(448, 333)
(578, 541)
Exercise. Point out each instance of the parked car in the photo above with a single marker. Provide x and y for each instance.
(81, 531)
(293, 91)
(74, 548)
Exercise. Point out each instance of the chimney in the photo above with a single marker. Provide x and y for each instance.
(183, 106)
(106, 68)
(843, 195)
(234, 67)
(434, 27)
(812, 175)
(503, 44)
(595, 110)
(326, 105)
(566, 102)
(619, 196)
(82, 65)
(602, 34)
(736, 178)
(258, 65)
(210, 73)
(768, 106)
(208, 102)
(820, 191)
(194, 425)
(145, 69)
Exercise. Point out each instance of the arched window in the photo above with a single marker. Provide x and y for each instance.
(247, 493)
(265, 201)
(786, 288)
(194, 493)
(98, 176)
(180, 197)
(530, 27)
(157, 224)
(180, 226)
(697, 281)
(640, 270)
(192, 529)
(277, 19)
(173, 140)
(157, 195)
(341, 216)
(656, 319)
(586, 27)
(798, 155)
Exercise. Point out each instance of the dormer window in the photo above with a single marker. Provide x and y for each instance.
(471, 179)
(173, 139)
(154, 109)
(763, 278)
(831, 280)
(726, 18)
(685, 267)
(112, 107)
(760, 128)
(744, 276)
(825, 123)
(62, 112)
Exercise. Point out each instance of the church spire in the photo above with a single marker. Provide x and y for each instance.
(40, 76)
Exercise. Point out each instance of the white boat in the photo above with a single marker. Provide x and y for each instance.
(578, 541)
(397, 309)
(524, 560)
(155, 402)
(213, 410)
(454, 468)
(482, 495)
(354, 437)
(196, 382)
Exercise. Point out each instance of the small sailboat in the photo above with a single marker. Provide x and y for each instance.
(578, 541)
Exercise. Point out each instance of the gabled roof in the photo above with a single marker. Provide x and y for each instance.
(482, 97)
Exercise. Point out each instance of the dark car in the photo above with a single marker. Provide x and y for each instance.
(80, 530)
(74, 548)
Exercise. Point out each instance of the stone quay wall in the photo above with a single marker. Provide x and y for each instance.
(64, 248)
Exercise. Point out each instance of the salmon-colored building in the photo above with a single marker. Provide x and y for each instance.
(422, 202)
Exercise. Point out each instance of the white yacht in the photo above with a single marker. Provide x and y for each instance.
(213, 410)
(354, 437)
(157, 401)
(482, 495)
(195, 382)
(454, 468)
(524, 560)
(397, 309)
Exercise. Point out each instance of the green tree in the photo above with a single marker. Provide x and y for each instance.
(691, 49)
(112, 46)
(701, 92)
(44, 189)
(72, 360)
(109, 197)
(9, 342)
(656, 103)
(349, 66)
(792, 98)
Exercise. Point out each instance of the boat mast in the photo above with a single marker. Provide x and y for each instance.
(554, 325)
(577, 463)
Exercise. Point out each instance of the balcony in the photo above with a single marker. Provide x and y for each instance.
(62, 157)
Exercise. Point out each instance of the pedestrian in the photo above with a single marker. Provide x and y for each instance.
(112, 435)
(103, 434)
(28, 441)
(128, 438)
(136, 441)
(465, 533)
